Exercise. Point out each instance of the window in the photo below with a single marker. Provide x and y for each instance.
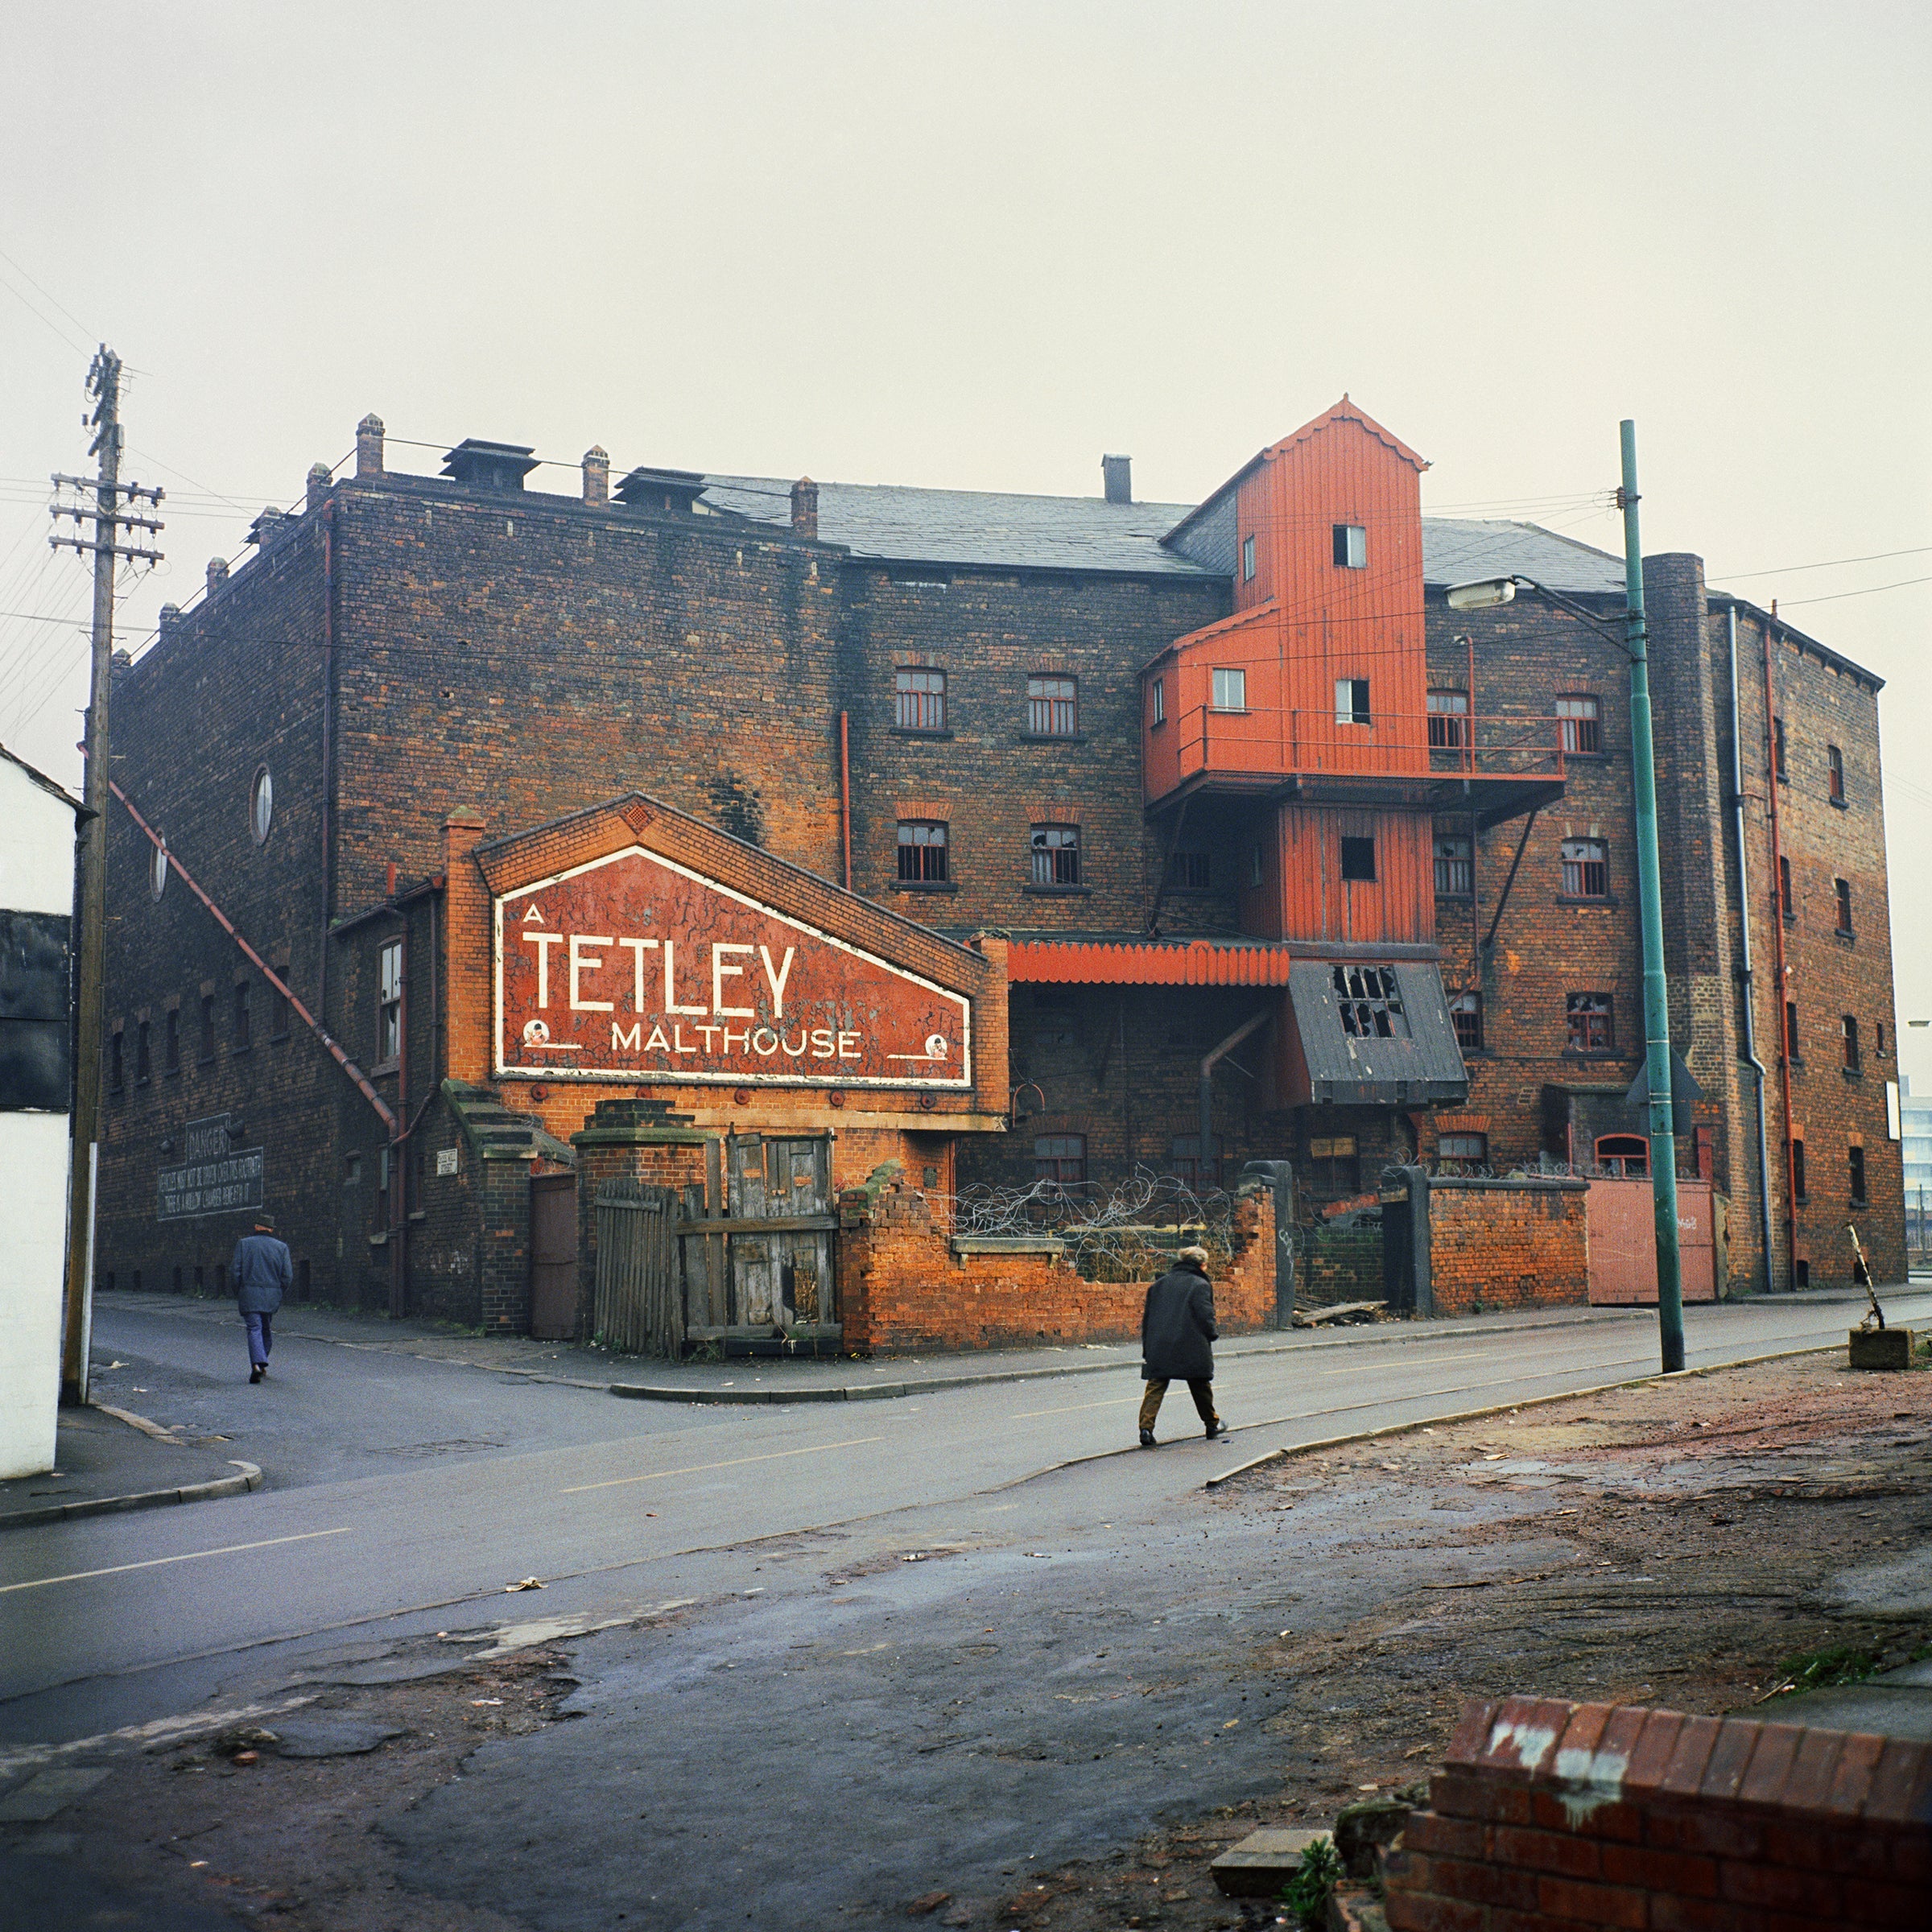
(1777, 751)
(1627, 1154)
(1370, 1001)
(1835, 774)
(1797, 1169)
(1351, 546)
(1466, 1017)
(1855, 1161)
(1458, 1152)
(1157, 700)
(1060, 1158)
(1255, 877)
(1335, 1168)
(1056, 855)
(1454, 867)
(1352, 701)
(157, 870)
(115, 1071)
(171, 1041)
(1848, 1026)
(1580, 721)
(1588, 1016)
(1842, 888)
(207, 1028)
(241, 1033)
(1787, 898)
(920, 697)
(1188, 871)
(261, 804)
(277, 1014)
(1230, 690)
(1052, 708)
(1247, 560)
(922, 853)
(1791, 1047)
(1358, 860)
(389, 1002)
(1448, 720)
(143, 1063)
(1586, 870)
(1184, 1157)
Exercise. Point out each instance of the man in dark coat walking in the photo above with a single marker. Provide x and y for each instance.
(263, 1273)
(1176, 1341)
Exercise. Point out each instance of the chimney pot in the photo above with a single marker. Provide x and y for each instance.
(369, 446)
(265, 527)
(597, 476)
(1118, 471)
(318, 483)
(805, 510)
(217, 574)
(171, 615)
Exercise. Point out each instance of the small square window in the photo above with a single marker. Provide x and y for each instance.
(1466, 1017)
(1056, 855)
(1052, 708)
(1448, 720)
(1587, 1016)
(1247, 560)
(1352, 701)
(1586, 870)
(1230, 690)
(1351, 546)
(1358, 860)
(922, 845)
(1060, 1158)
(1455, 866)
(920, 699)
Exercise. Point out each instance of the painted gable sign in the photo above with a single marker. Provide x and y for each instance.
(635, 968)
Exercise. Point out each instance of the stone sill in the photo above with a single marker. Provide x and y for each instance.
(1019, 1244)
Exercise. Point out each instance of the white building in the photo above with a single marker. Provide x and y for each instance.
(37, 822)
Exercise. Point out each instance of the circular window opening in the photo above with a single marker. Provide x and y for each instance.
(157, 870)
(261, 804)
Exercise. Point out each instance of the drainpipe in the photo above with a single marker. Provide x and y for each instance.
(1743, 908)
(1777, 938)
(1207, 1065)
(845, 792)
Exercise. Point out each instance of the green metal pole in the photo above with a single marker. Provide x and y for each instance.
(1657, 1009)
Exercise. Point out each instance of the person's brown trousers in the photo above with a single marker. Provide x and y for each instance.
(1201, 1388)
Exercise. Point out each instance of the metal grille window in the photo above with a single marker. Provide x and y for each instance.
(1334, 1166)
(1581, 720)
(1466, 1017)
(1855, 1161)
(1056, 855)
(1448, 720)
(1457, 1151)
(1842, 888)
(1835, 774)
(1052, 708)
(1849, 1028)
(1588, 1018)
(389, 1000)
(920, 697)
(922, 852)
(1351, 546)
(1352, 701)
(1455, 867)
(1586, 870)
(1189, 871)
(1230, 690)
(1060, 1158)
(1370, 1001)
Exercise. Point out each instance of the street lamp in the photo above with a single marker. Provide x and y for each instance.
(1488, 593)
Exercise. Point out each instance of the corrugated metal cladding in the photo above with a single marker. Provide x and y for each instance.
(1155, 963)
(1417, 1061)
(1318, 903)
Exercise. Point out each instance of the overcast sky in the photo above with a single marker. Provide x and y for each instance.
(977, 247)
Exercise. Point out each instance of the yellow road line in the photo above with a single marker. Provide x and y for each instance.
(154, 1562)
(737, 1462)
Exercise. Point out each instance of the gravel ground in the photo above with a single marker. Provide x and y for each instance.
(1671, 1544)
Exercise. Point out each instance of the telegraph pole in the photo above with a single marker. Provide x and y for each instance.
(109, 519)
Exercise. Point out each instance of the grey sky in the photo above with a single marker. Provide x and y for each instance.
(977, 245)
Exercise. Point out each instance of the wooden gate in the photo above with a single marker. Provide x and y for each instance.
(640, 1304)
(553, 1257)
(763, 1269)
(1623, 1242)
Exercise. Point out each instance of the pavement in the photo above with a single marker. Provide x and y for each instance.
(111, 1460)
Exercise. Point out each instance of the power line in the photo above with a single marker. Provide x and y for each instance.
(1870, 590)
(1877, 556)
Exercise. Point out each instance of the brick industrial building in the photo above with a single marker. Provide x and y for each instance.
(1132, 822)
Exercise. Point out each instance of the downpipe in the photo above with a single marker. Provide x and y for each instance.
(1749, 1002)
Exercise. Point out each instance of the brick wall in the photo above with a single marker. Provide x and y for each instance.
(1521, 1244)
(903, 1287)
(1550, 1814)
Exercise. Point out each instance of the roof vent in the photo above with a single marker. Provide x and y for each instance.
(489, 465)
(661, 489)
(1119, 472)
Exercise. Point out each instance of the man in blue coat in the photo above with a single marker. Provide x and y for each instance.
(263, 1274)
(1176, 1341)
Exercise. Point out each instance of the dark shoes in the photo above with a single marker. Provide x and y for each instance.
(256, 1373)
(1216, 1429)
(1146, 1439)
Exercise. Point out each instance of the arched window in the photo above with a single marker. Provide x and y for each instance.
(1624, 1154)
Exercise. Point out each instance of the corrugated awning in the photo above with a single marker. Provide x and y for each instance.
(1148, 963)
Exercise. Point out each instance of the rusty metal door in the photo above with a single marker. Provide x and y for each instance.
(1622, 1217)
(781, 1281)
(553, 1257)
(640, 1286)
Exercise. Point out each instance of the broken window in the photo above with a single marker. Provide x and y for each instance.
(1370, 1001)
(1056, 855)
(1580, 720)
(920, 696)
(1448, 720)
(1588, 1018)
(1586, 868)
(1454, 867)
(1466, 1017)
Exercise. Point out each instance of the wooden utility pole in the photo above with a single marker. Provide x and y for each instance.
(108, 519)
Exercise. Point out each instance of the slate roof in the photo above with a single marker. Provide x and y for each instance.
(991, 528)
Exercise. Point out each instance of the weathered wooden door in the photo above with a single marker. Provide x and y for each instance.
(782, 1280)
(640, 1287)
(553, 1257)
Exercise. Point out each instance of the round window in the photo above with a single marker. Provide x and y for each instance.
(157, 869)
(261, 804)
